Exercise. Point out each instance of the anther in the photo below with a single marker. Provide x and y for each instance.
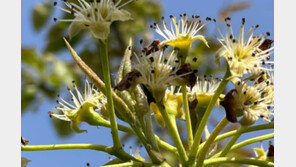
(227, 18)
(257, 26)
(243, 20)
(55, 4)
(268, 33)
(151, 59)
(194, 59)
(55, 19)
(208, 19)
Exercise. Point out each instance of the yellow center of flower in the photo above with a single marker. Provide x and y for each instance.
(184, 41)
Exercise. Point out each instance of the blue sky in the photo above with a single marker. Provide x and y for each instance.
(37, 126)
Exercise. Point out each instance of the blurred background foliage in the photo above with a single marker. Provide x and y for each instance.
(46, 72)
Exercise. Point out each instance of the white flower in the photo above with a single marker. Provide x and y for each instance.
(81, 109)
(204, 89)
(158, 71)
(96, 16)
(245, 54)
(180, 33)
(250, 102)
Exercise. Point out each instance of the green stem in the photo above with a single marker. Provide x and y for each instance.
(232, 141)
(223, 160)
(120, 105)
(150, 133)
(187, 116)
(231, 133)
(200, 110)
(203, 152)
(171, 124)
(198, 134)
(103, 47)
(249, 129)
(247, 142)
(119, 153)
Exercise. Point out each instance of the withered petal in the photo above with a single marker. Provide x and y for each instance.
(190, 77)
(24, 141)
(227, 103)
(128, 80)
(153, 47)
(266, 44)
(270, 152)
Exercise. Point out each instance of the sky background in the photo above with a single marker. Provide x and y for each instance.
(37, 125)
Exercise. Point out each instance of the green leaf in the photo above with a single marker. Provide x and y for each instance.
(28, 95)
(40, 15)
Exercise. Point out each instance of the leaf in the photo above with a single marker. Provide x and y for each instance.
(40, 15)
(30, 57)
(28, 95)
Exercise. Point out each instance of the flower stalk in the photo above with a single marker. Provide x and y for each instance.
(247, 142)
(198, 134)
(106, 73)
(119, 153)
(187, 116)
(204, 150)
(249, 161)
(171, 124)
(232, 141)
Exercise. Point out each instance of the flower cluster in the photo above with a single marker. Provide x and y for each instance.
(96, 16)
(161, 79)
(245, 54)
(82, 108)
